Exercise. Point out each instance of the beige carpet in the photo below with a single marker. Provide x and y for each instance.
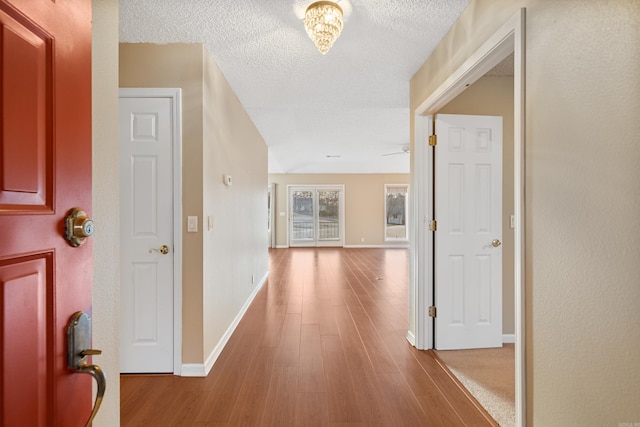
(489, 374)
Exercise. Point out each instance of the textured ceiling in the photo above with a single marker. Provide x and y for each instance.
(333, 113)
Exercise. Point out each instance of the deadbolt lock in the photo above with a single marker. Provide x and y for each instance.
(78, 227)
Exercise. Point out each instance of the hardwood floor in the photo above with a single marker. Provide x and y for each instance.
(323, 344)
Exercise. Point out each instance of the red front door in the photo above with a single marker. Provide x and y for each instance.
(45, 170)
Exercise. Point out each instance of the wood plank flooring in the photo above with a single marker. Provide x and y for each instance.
(323, 344)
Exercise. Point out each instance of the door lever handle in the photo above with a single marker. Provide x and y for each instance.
(101, 380)
(78, 343)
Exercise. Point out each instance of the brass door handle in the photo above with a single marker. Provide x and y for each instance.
(164, 249)
(101, 381)
(78, 343)
(495, 243)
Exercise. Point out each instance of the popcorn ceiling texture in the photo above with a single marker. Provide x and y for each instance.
(352, 102)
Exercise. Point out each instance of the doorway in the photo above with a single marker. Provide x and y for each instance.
(507, 39)
(316, 215)
(150, 232)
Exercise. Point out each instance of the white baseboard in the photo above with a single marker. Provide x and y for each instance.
(376, 246)
(203, 369)
(282, 246)
(411, 338)
(193, 370)
(508, 338)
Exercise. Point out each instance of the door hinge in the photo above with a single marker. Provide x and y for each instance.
(432, 311)
(433, 140)
(433, 225)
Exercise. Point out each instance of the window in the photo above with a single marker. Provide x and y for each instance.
(316, 215)
(396, 208)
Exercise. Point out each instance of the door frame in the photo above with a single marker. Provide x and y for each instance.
(271, 229)
(510, 37)
(175, 94)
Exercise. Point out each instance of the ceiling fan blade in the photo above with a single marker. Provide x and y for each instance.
(397, 152)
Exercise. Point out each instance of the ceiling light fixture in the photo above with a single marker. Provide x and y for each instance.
(323, 22)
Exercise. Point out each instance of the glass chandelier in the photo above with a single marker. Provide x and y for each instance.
(323, 21)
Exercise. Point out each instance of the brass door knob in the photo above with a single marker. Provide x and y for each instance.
(164, 249)
(495, 243)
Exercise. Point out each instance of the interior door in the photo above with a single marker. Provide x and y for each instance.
(45, 171)
(468, 252)
(316, 215)
(146, 227)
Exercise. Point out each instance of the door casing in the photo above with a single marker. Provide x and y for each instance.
(176, 95)
(509, 38)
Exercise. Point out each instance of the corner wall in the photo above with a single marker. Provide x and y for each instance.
(364, 204)
(235, 251)
(582, 200)
(106, 205)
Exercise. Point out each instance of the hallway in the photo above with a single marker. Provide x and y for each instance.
(323, 344)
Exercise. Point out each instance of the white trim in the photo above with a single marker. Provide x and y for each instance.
(411, 338)
(377, 246)
(203, 369)
(510, 37)
(282, 247)
(508, 338)
(422, 281)
(176, 96)
(193, 370)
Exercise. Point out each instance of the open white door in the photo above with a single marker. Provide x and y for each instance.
(468, 210)
(147, 233)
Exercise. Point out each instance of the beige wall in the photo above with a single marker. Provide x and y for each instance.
(106, 247)
(218, 138)
(364, 204)
(236, 248)
(493, 96)
(582, 222)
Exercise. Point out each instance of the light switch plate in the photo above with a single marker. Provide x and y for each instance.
(192, 224)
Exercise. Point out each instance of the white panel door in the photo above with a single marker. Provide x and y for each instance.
(468, 210)
(146, 230)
